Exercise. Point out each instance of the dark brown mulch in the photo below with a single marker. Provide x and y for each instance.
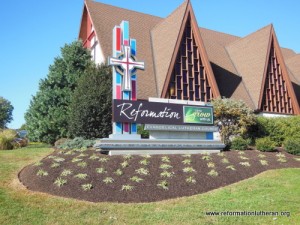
(146, 190)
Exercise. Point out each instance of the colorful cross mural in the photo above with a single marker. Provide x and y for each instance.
(124, 64)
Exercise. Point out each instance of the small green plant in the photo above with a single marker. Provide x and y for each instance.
(66, 172)
(142, 171)
(94, 157)
(81, 176)
(75, 160)
(282, 160)
(187, 161)
(246, 164)
(82, 164)
(165, 166)
(231, 167)
(147, 156)
(206, 157)
(239, 143)
(165, 159)
(163, 184)
(60, 182)
(241, 153)
(55, 165)
(82, 155)
(265, 144)
(118, 172)
(144, 162)
(292, 145)
(263, 162)
(127, 157)
(210, 165)
(261, 156)
(101, 170)
(69, 152)
(108, 180)
(280, 155)
(86, 187)
(124, 164)
(221, 154)
(59, 159)
(189, 170)
(213, 173)
(167, 174)
(127, 187)
(190, 180)
(187, 155)
(38, 163)
(225, 161)
(136, 179)
(103, 159)
(297, 159)
(77, 143)
(42, 173)
(243, 157)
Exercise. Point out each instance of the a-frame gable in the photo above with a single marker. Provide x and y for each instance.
(86, 32)
(277, 93)
(190, 76)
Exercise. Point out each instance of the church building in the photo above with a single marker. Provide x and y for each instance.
(186, 62)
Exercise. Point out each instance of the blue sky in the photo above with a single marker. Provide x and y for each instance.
(33, 31)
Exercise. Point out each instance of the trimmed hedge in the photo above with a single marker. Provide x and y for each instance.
(265, 144)
(292, 146)
(278, 129)
(239, 143)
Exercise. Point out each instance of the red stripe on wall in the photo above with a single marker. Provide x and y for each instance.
(126, 127)
(119, 92)
(118, 39)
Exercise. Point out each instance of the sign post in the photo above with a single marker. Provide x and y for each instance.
(124, 75)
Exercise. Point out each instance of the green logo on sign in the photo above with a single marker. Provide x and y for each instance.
(198, 115)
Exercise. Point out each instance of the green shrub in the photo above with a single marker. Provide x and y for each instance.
(90, 110)
(239, 143)
(77, 143)
(278, 129)
(6, 143)
(233, 118)
(7, 138)
(265, 144)
(141, 130)
(292, 146)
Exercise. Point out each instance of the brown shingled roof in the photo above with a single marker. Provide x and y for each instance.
(164, 38)
(238, 64)
(249, 56)
(106, 17)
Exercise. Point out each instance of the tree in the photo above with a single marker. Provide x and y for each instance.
(233, 117)
(6, 110)
(48, 113)
(91, 106)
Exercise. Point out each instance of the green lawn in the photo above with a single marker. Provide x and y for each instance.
(277, 190)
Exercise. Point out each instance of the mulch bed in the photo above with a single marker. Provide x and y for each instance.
(148, 189)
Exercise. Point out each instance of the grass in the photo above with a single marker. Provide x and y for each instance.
(276, 190)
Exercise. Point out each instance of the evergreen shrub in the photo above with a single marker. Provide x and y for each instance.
(292, 146)
(239, 143)
(265, 144)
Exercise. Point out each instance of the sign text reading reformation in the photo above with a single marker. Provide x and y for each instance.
(145, 112)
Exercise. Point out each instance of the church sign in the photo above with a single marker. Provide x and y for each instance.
(145, 112)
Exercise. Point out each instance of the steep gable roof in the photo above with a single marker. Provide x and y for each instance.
(140, 26)
(189, 18)
(293, 64)
(249, 56)
(164, 38)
